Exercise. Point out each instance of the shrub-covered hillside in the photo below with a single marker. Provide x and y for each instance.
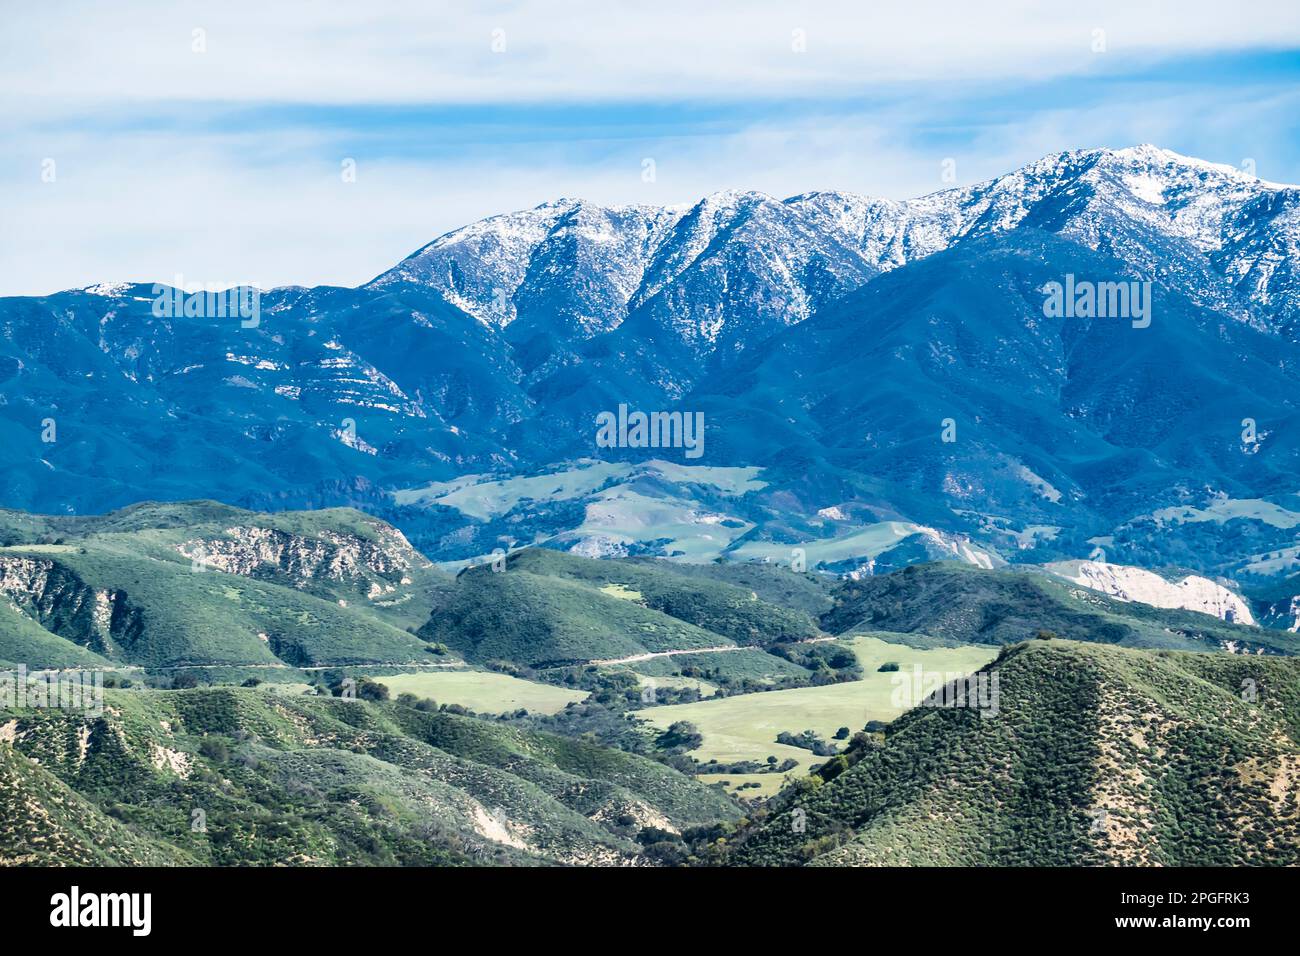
(1096, 755)
(1002, 607)
(229, 776)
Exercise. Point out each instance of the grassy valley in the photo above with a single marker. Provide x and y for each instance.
(548, 708)
(745, 727)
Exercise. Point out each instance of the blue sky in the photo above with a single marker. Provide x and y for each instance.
(146, 140)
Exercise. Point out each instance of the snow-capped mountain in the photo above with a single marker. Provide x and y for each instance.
(1138, 203)
(827, 338)
(718, 275)
(591, 259)
(594, 265)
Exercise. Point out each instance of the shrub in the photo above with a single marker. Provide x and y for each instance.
(214, 749)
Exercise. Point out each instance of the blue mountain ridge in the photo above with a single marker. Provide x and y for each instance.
(827, 339)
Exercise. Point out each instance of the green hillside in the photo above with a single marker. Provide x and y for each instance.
(545, 621)
(611, 683)
(23, 641)
(199, 583)
(44, 822)
(969, 604)
(321, 781)
(798, 591)
(1097, 755)
(164, 614)
(711, 603)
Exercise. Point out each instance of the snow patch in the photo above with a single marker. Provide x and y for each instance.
(1146, 187)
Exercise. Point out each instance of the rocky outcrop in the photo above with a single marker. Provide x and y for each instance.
(1125, 583)
(373, 568)
(56, 598)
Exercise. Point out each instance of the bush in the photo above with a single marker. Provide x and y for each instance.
(214, 749)
(808, 740)
(679, 737)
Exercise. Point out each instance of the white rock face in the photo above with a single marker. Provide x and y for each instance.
(1126, 583)
(58, 600)
(959, 546)
(375, 567)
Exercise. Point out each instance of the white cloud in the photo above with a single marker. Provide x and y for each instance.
(154, 177)
(153, 206)
(382, 51)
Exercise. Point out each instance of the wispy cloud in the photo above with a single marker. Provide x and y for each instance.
(227, 163)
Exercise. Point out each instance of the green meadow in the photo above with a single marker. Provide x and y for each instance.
(483, 691)
(745, 727)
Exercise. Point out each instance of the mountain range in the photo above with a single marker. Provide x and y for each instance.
(879, 381)
(224, 594)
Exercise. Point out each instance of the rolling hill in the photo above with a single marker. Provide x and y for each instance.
(540, 621)
(1191, 756)
(711, 603)
(1005, 607)
(545, 610)
(202, 584)
(1096, 756)
(246, 777)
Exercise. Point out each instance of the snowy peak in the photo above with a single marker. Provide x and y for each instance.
(582, 269)
(1192, 197)
(739, 264)
(1177, 166)
(484, 268)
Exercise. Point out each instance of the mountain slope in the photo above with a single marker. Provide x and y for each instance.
(204, 584)
(979, 405)
(312, 781)
(713, 605)
(1005, 607)
(540, 621)
(1220, 232)
(1096, 756)
(43, 822)
(828, 337)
